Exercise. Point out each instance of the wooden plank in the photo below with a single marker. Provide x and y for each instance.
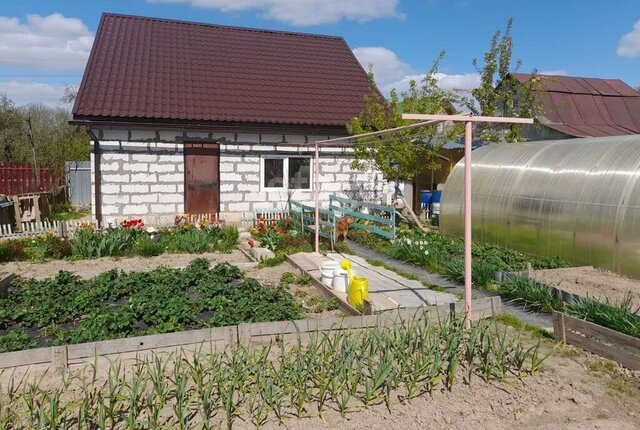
(603, 333)
(141, 343)
(588, 344)
(28, 357)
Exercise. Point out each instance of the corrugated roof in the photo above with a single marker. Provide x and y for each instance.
(588, 107)
(173, 70)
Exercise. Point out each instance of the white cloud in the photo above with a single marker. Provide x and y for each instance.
(629, 45)
(559, 72)
(304, 12)
(32, 92)
(52, 42)
(391, 72)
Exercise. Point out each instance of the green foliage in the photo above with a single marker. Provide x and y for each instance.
(270, 239)
(47, 247)
(13, 250)
(533, 294)
(500, 94)
(318, 304)
(620, 316)
(288, 278)
(413, 151)
(66, 212)
(111, 242)
(334, 371)
(112, 305)
(145, 247)
(15, 340)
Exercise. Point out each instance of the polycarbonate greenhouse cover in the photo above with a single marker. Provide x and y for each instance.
(578, 199)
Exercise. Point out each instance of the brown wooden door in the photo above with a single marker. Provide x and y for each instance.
(201, 178)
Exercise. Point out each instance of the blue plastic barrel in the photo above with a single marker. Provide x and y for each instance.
(437, 195)
(425, 197)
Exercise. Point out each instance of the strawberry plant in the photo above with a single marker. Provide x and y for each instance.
(67, 309)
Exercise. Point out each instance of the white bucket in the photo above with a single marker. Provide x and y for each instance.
(327, 270)
(340, 280)
(436, 208)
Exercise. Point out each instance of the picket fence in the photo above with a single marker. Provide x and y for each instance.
(62, 228)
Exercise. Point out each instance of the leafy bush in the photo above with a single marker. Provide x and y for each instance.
(116, 304)
(15, 340)
(111, 242)
(47, 247)
(146, 247)
(12, 250)
(270, 239)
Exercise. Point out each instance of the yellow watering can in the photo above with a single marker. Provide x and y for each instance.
(358, 290)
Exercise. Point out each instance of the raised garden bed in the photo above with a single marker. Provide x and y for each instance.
(128, 240)
(67, 309)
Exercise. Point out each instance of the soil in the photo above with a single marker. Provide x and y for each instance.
(572, 390)
(307, 295)
(592, 282)
(92, 267)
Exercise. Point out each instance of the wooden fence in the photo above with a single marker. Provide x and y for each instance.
(382, 219)
(37, 228)
(23, 178)
(216, 339)
(305, 217)
(596, 339)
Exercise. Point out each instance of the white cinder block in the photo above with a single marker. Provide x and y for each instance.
(144, 158)
(251, 178)
(110, 210)
(248, 186)
(327, 177)
(115, 199)
(224, 188)
(162, 168)
(238, 207)
(247, 167)
(144, 198)
(248, 137)
(113, 156)
(255, 197)
(231, 177)
(115, 178)
(263, 205)
(231, 197)
(331, 186)
(170, 198)
(170, 135)
(170, 177)
(227, 167)
(135, 167)
(115, 134)
(271, 138)
(144, 178)
(143, 135)
(224, 158)
(109, 189)
(330, 167)
(163, 188)
(165, 208)
(229, 137)
(135, 210)
(342, 177)
(135, 188)
(180, 188)
(110, 167)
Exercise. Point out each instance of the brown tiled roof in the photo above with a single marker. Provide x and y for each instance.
(583, 107)
(150, 68)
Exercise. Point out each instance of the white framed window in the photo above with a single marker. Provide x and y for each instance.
(278, 172)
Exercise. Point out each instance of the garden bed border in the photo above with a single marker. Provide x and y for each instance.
(599, 340)
(214, 339)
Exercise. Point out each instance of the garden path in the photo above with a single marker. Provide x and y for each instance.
(542, 320)
(387, 289)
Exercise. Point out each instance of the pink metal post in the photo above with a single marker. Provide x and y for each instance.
(468, 138)
(316, 174)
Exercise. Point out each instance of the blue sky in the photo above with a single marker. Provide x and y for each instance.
(44, 44)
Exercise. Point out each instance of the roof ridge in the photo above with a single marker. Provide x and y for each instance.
(222, 26)
(571, 77)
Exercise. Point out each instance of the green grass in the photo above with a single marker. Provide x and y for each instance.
(534, 295)
(516, 323)
(620, 317)
(378, 263)
(70, 215)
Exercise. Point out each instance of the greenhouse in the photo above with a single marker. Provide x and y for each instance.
(578, 199)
